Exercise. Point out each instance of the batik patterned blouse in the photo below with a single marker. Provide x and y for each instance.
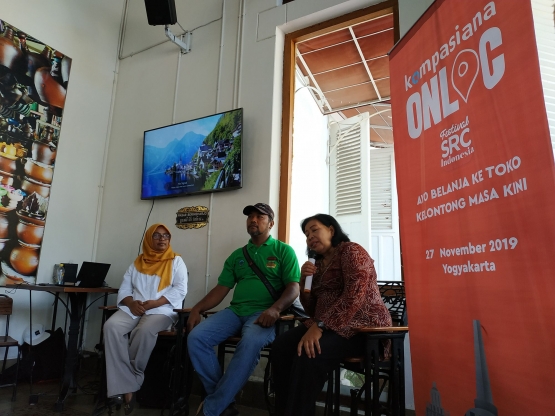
(345, 293)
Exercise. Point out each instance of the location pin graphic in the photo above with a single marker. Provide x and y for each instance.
(464, 72)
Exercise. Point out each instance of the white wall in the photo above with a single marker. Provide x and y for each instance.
(88, 33)
(545, 36)
(409, 12)
(236, 61)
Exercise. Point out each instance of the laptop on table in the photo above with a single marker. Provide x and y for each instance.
(92, 274)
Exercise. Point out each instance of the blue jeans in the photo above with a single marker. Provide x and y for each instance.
(221, 389)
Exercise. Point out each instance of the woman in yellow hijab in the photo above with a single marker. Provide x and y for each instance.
(153, 286)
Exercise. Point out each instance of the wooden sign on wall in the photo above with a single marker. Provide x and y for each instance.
(192, 217)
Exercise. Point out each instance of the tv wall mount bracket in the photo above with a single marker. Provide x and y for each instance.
(183, 41)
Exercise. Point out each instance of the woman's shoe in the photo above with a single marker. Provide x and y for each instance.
(128, 407)
(116, 399)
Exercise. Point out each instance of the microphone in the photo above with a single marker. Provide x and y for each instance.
(308, 280)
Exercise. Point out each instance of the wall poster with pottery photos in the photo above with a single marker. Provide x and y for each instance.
(33, 85)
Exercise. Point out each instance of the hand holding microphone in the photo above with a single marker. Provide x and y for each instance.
(308, 279)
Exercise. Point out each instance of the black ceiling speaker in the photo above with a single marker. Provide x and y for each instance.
(161, 12)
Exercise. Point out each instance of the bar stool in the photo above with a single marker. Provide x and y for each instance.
(6, 307)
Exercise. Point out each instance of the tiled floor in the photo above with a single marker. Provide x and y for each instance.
(78, 404)
(82, 404)
(250, 401)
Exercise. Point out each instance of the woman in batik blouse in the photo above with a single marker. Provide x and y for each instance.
(344, 296)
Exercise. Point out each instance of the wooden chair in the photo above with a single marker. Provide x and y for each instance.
(393, 295)
(6, 307)
(284, 323)
(175, 388)
(173, 364)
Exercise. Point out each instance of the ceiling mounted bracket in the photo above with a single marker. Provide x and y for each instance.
(183, 41)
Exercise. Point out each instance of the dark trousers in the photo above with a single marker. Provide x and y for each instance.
(299, 380)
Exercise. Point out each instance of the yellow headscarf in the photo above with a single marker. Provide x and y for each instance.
(152, 262)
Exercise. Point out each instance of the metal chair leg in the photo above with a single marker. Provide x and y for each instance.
(354, 402)
(18, 360)
(329, 395)
(337, 391)
(269, 389)
(221, 355)
(5, 358)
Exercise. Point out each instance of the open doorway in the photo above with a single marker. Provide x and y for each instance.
(337, 143)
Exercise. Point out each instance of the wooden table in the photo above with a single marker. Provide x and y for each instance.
(373, 365)
(76, 308)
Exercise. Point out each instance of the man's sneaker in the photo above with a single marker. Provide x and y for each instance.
(200, 410)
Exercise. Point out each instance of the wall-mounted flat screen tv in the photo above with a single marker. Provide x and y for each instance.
(196, 156)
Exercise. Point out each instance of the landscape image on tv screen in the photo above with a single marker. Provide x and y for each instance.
(197, 156)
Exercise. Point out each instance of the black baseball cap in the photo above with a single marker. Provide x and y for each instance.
(260, 207)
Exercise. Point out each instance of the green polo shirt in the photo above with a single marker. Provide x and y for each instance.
(275, 259)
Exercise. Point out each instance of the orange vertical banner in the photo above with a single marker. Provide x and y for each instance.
(476, 184)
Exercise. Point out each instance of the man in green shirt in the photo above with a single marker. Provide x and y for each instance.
(252, 313)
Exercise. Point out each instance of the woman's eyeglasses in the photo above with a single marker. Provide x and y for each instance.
(158, 236)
